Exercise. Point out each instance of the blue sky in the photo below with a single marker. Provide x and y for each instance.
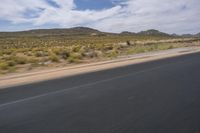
(93, 4)
(88, 4)
(172, 16)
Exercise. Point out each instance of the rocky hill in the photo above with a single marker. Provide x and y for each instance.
(85, 31)
(76, 31)
(153, 32)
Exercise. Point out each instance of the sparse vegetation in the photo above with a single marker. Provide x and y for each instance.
(44, 50)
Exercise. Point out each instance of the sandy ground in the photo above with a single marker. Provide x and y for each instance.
(32, 77)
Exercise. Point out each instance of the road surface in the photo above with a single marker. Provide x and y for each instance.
(153, 97)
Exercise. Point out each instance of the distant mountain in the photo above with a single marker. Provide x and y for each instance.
(187, 35)
(175, 35)
(85, 31)
(76, 31)
(153, 32)
(197, 35)
(127, 33)
(191, 35)
(70, 31)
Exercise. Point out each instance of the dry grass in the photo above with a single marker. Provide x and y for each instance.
(35, 51)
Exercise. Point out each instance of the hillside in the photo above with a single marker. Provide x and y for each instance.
(76, 31)
(124, 33)
(85, 31)
(153, 32)
(79, 31)
(198, 35)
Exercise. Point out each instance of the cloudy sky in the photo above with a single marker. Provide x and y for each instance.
(171, 16)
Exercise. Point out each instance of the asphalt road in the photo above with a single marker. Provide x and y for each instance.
(154, 97)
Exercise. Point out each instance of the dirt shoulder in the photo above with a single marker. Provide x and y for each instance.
(43, 75)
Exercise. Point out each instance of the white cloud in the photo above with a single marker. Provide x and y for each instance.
(180, 16)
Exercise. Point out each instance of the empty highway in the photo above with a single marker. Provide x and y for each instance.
(154, 97)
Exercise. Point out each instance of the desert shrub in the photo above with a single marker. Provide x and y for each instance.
(76, 48)
(99, 46)
(1, 53)
(20, 60)
(72, 60)
(53, 57)
(33, 60)
(39, 53)
(11, 63)
(99, 53)
(162, 47)
(29, 53)
(170, 47)
(36, 49)
(74, 57)
(139, 49)
(4, 66)
(56, 51)
(7, 52)
(131, 51)
(90, 54)
(128, 43)
(123, 44)
(14, 60)
(21, 50)
(112, 53)
(64, 53)
(44, 59)
(108, 47)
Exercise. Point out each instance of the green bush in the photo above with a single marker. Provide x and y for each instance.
(4, 66)
(74, 57)
(76, 48)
